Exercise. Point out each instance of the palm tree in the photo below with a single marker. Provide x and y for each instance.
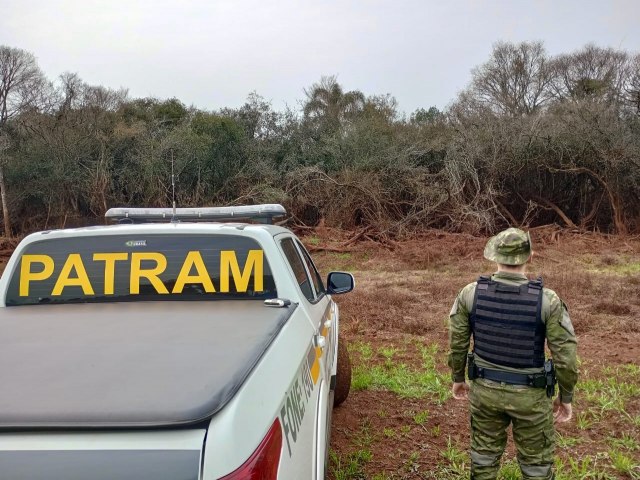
(327, 102)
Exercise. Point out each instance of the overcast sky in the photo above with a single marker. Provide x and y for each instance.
(213, 53)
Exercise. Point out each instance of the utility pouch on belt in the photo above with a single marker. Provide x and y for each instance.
(550, 378)
(472, 370)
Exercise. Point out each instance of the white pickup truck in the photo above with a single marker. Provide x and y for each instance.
(171, 346)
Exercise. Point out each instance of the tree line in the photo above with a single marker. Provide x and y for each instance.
(534, 139)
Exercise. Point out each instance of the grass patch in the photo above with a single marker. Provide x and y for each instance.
(624, 464)
(588, 468)
(351, 465)
(626, 442)
(363, 348)
(612, 392)
(411, 465)
(510, 470)
(421, 417)
(345, 261)
(399, 378)
(623, 265)
(566, 442)
(458, 464)
(312, 240)
(381, 476)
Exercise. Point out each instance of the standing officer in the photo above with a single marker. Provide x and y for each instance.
(509, 318)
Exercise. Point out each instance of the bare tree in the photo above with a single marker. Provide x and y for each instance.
(21, 84)
(515, 80)
(593, 72)
(632, 88)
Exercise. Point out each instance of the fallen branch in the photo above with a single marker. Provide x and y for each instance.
(356, 237)
(552, 206)
(320, 248)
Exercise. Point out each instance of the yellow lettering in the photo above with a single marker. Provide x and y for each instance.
(229, 261)
(194, 259)
(74, 261)
(26, 275)
(150, 274)
(109, 260)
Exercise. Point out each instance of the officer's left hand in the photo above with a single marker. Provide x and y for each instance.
(460, 390)
(562, 412)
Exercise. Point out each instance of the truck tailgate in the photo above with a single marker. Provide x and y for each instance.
(159, 455)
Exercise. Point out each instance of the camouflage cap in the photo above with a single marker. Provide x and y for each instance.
(510, 247)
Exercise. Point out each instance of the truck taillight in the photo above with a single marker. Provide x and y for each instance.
(263, 463)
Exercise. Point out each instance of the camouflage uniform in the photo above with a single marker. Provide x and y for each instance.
(495, 405)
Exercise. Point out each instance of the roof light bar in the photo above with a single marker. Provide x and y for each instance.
(260, 213)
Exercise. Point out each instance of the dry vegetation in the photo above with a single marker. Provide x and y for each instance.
(399, 422)
(533, 139)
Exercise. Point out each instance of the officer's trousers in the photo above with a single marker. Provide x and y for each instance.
(493, 407)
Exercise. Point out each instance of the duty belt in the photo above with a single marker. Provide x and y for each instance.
(545, 379)
(536, 380)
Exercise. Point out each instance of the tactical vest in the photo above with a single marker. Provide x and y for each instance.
(507, 325)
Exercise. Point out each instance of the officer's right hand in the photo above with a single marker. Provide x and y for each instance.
(460, 390)
(562, 412)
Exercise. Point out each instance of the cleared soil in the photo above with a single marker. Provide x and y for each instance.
(388, 429)
(399, 421)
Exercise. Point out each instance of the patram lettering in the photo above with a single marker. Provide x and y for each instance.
(146, 268)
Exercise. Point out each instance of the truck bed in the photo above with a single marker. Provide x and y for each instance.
(135, 364)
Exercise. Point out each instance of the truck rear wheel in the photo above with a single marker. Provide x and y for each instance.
(343, 373)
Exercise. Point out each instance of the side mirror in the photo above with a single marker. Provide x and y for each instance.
(340, 282)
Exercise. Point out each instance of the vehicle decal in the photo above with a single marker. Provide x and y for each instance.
(145, 268)
(136, 243)
(297, 398)
(318, 352)
(330, 335)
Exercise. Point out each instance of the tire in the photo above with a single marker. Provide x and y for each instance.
(343, 373)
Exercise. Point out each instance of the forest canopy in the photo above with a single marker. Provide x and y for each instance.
(534, 139)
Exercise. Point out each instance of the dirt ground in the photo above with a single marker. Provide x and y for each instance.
(399, 421)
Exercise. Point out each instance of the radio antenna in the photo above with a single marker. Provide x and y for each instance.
(173, 189)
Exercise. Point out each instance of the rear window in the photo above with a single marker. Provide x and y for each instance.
(115, 268)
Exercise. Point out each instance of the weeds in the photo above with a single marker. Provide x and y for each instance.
(421, 417)
(411, 465)
(583, 469)
(312, 240)
(409, 366)
(458, 460)
(381, 476)
(350, 466)
(399, 378)
(582, 421)
(510, 470)
(626, 441)
(566, 442)
(389, 432)
(624, 464)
